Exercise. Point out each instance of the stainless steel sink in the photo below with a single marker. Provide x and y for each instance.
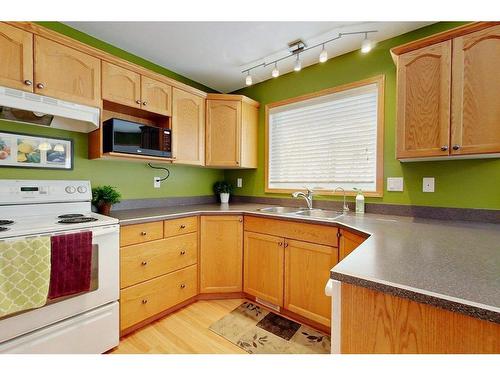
(280, 210)
(319, 213)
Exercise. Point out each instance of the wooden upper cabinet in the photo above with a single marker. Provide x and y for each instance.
(475, 125)
(423, 105)
(221, 254)
(16, 58)
(307, 270)
(263, 266)
(65, 73)
(188, 124)
(120, 85)
(231, 131)
(156, 96)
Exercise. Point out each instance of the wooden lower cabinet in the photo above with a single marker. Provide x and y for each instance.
(149, 298)
(221, 258)
(264, 266)
(349, 241)
(307, 268)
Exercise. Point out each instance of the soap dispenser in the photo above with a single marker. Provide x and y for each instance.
(360, 201)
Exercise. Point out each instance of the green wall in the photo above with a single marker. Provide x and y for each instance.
(459, 183)
(133, 179)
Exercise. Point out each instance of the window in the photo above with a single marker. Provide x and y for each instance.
(328, 139)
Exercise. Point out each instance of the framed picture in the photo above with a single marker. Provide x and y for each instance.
(28, 151)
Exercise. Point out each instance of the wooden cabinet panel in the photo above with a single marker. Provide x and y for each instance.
(316, 233)
(145, 261)
(307, 270)
(156, 96)
(188, 124)
(249, 135)
(348, 242)
(223, 132)
(146, 299)
(138, 233)
(263, 267)
(221, 255)
(120, 85)
(423, 107)
(475, 95)
(183, 225)
(16, 56)
(65, 73)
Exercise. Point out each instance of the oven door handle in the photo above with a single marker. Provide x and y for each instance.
(105, 230)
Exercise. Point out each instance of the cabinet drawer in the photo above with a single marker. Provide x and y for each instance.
(131, 234)
(316, 233)
(183, 225)
(151, 297)
(142, 262)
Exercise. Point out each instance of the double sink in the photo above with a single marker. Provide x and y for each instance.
(304, 212)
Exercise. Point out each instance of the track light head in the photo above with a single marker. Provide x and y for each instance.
(323, 56)
(275, 73)
(366, 45)
(248, 79)
(298, 65)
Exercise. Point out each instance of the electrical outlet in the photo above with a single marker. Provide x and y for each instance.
(156, 182)
(428, 185)
(239, 182)
(395, 184)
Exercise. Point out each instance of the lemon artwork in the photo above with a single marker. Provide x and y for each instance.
(27, 152)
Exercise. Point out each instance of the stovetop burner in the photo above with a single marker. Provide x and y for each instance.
(69, 216)
(3, 229)
(6, 222)
(76, 220)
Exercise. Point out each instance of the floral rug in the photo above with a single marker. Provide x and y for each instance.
(260, 331)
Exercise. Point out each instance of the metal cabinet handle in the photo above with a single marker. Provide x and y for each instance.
(27, 82)
(182, 226)
(286, 244)
(444, 148)
(144, 263)
(456, 147)
(183, 252)
(144, 103)
(240, 220)
(138, 101)
(280, 244)
(40, 85)
(143, 233)
(183, 286)
(144, 301)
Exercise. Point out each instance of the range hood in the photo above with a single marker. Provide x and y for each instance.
(29, 108)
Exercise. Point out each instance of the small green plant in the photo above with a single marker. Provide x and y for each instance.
(105, 194)
(223, 187)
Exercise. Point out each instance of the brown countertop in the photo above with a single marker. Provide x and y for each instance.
(453, 265)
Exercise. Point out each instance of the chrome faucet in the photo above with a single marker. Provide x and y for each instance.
(307, 196)
(345, 207)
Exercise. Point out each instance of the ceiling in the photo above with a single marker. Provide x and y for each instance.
(215, 53)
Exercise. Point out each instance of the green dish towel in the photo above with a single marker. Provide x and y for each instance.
(24, 274)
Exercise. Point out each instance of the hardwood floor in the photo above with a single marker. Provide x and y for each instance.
(183, 332)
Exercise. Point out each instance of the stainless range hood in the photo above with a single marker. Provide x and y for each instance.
(29, 108)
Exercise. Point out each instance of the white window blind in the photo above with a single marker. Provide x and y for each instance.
(325, 142)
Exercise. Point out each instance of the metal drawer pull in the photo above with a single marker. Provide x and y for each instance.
(144, 263)
(444, 148)
(183, 226)
(456, 147)
(40, 85)
(183, 252)
(143, 233)
(144, 301)
(183, 286)
(138, 101)
(27, 82)
(144, 103)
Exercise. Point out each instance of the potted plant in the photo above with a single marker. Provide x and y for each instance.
(103, 197)
(223, 188)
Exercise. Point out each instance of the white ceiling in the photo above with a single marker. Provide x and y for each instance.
(215, 53)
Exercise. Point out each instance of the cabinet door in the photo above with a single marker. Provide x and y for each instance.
(263, 267)
(188, 124)
(156, 96)
(475, 96)
(223, 133)
(221, 254)
(348, 242)
(65, 73)
(423, 102)
(120, 85)
(307, 270)
(16, 56)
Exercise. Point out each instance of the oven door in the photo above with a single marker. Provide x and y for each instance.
(104, 289)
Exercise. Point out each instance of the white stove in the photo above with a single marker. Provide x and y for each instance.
(84, 323)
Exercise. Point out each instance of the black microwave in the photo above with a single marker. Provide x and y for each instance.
(134, 138)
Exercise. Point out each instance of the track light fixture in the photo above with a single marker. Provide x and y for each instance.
(300, 47)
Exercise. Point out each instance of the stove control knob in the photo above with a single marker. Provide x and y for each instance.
(82, 189)
(70, 189)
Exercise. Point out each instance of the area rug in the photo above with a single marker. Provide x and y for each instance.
(260, 331)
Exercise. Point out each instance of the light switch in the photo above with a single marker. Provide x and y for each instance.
(156, 182)
(428, 185)
(395, 184)
(239, 182)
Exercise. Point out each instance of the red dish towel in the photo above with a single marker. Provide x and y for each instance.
(71, 264)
